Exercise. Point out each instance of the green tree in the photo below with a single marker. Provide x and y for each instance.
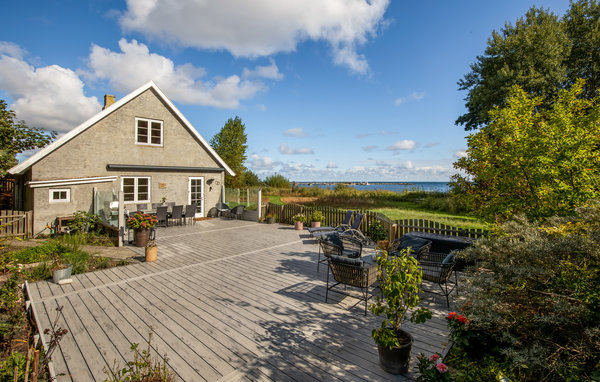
(533, 160)
(230, 144)
(277, 181)
(16, 137)
(251, 179)
(541, 53)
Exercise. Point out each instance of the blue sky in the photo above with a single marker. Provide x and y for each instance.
(328, 90)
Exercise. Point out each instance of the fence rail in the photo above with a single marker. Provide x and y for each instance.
(16, 223)
(395, 228)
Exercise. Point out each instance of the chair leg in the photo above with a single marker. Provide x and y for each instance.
(319, 259)
(327, 290)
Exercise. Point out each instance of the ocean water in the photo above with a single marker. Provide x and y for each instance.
(388, 186)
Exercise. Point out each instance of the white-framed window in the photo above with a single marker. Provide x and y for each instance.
(148, 132)
(59, 195)
(136, 189)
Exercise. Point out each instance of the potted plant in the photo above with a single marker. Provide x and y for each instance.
(270, 218)
(299, 220)
(60, 269)
(141, 224)
(316, 218)
(399, 279)
(151, 251)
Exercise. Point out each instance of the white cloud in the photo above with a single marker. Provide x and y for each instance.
(415, 96)
(369, 148)
(135, 65)
(460, 154)
(287, 150)
(402, 145)
(331, 165)
(262, 163)
(262, 27)
(270, 72)
(49, 97)
(295, 132)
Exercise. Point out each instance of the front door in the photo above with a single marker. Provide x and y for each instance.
(196, 194)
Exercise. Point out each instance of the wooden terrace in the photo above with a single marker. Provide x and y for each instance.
(226, 300)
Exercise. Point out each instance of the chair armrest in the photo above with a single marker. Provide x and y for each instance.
(350, 246)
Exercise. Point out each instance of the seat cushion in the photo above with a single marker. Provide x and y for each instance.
(413, 242)
(448, 259)
(346, 260)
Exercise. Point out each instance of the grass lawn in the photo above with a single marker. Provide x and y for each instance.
(466, 222)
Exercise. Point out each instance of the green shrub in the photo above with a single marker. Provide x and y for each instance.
(534, 297)
(85, 222)
(277, 181)
(377, 232)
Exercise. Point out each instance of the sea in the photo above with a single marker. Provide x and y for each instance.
(388, 186)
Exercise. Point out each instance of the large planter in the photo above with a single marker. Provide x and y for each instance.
(270, 220)
(315, 224)
(397, 359)
(141, 237)
(151, 253)
(61, 274)
(298, 226)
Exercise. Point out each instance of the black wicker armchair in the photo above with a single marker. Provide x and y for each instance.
(352, 272)
(438, 268)
(338, 245)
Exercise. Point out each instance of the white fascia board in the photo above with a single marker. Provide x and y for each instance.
(70, 182)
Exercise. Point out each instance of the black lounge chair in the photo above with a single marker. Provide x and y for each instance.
(237, 212)
(352, 272)
(352, 230)
(222, 208)
(345, 223)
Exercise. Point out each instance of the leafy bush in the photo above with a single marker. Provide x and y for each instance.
(377, 231)
(85, 222)
(534, 297)
(277, 181)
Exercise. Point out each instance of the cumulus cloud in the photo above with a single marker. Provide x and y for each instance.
(415, 96)
(263, 27)
(49, 97)
(295, 132)
(270, 72)
(369, 148)
(460, 154)
(287, 150)
(262, 163)
(406, 144)
(331, 165)
(135, 65)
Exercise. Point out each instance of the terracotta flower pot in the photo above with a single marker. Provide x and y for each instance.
(151, 253)
(298, 226)
(141, 237)
(315, 224)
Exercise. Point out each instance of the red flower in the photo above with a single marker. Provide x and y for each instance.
(434, 357)
(442, 368)
(452, 315)
(462, 319)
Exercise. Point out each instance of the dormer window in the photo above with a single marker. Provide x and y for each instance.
(148, 132)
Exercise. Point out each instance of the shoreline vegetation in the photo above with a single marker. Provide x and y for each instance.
(444, 207)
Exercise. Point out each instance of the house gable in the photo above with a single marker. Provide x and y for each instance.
(110, 137)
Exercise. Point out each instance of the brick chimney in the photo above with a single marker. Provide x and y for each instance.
(108, 100)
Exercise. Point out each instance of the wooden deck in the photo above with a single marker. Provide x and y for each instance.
(226, 301)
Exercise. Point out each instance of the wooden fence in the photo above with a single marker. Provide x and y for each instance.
(16, 223)
(395, 228)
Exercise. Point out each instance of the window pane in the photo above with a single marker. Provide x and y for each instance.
(63, 195)
(55, 195)
(156, 133)
(142, 196)
(143, 181)
(142, 131)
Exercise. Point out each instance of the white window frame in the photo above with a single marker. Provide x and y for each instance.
(150, 122)
(53, 190)
(135, 188)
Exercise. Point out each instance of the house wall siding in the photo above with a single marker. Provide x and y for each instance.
(112, 141)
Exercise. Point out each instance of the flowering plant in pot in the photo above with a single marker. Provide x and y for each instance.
(141, 224)
(299, 220)
(316, 218)
(270, 218)
(399, 279)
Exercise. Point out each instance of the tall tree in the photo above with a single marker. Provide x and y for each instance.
(529, 54)
(541, 53)
(533, 160)
(230, 144)
(16, 137)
